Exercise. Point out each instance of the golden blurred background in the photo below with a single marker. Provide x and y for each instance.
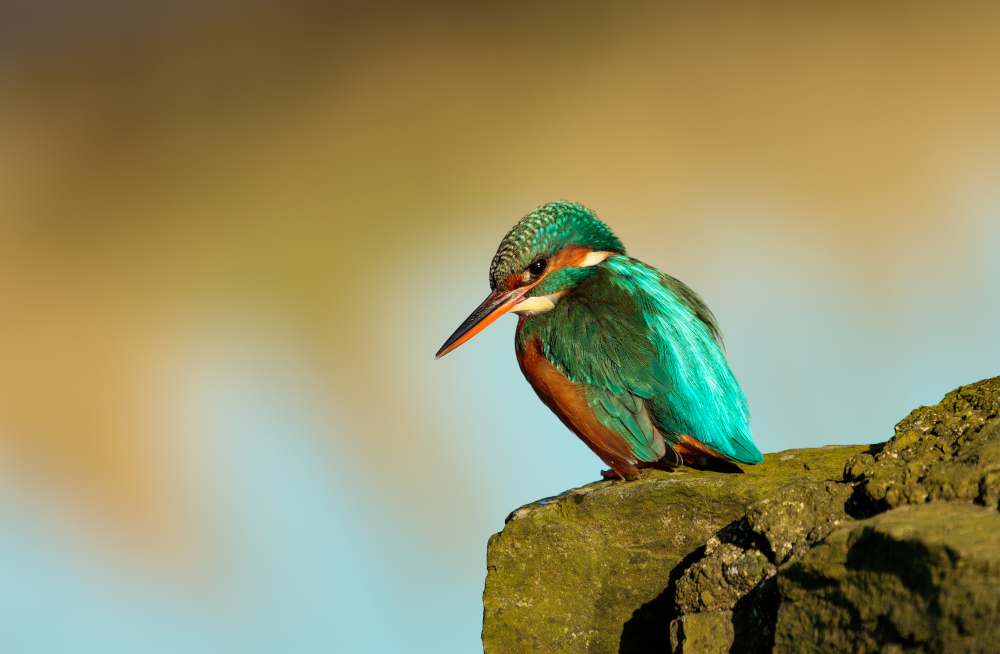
(233, 234)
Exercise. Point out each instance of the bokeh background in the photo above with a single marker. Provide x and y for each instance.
(233, 234)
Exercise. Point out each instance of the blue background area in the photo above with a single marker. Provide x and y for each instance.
(233, 237)
(317, 560)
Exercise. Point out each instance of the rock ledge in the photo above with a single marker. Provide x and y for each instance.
(771, 559)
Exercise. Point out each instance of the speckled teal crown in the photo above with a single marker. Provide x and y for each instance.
(547, 230)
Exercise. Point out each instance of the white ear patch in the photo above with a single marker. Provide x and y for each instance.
(594, 258)
(534, 305)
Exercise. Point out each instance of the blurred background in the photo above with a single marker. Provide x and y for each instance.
(233, 235)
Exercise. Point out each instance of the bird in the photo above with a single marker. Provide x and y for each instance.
(630, 359)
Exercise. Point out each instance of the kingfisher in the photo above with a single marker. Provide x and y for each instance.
(629, 358)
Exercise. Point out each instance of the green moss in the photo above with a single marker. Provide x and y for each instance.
(798, 515)
(720, 579)
(949, 451)
(744, 556)
(587, 570)
(701, 561)
(923, 578)
(705, 633)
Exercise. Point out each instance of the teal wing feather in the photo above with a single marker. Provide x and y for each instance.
(649, 353)
(626, 414)
(592, 338)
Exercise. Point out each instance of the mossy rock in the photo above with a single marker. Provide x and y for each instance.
(916, 579)
(731, 581)
(696, 562)
(949, 451)
(594, 569)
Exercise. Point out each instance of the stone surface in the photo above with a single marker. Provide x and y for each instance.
(786, 557)
(710, 632)
(719, 580)
(949, 451)
(744, 555)
(916, 579)
(594, 569)
(798, 515)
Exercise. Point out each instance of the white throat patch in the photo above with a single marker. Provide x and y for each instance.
(543, 303)
(534, 305)
(595, 258)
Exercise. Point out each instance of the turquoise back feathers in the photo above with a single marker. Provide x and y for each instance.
(628, 358)
(645, 346)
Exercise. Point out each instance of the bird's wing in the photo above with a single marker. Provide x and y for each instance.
(646, 347)
(600, 343)
(626, 415)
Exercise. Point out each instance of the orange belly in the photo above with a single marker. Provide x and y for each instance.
(692, 450)
(568, 401)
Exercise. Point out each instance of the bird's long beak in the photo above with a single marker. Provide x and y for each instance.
(496, 304)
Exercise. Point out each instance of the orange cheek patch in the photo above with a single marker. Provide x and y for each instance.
(568, 257)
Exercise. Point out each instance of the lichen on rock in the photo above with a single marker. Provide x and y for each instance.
(719, 580)
(923, 578)
(798, 515)
(785, 557)
(709, 632)
(949, 451)
(741, 557)
(595, 568)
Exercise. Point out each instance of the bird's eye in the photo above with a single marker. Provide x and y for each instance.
(538, 267)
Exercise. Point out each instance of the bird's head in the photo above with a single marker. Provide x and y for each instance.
(543, 256)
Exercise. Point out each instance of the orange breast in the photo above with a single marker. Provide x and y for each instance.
(568, 401)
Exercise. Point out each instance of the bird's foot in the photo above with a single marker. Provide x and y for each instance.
(613, 475)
